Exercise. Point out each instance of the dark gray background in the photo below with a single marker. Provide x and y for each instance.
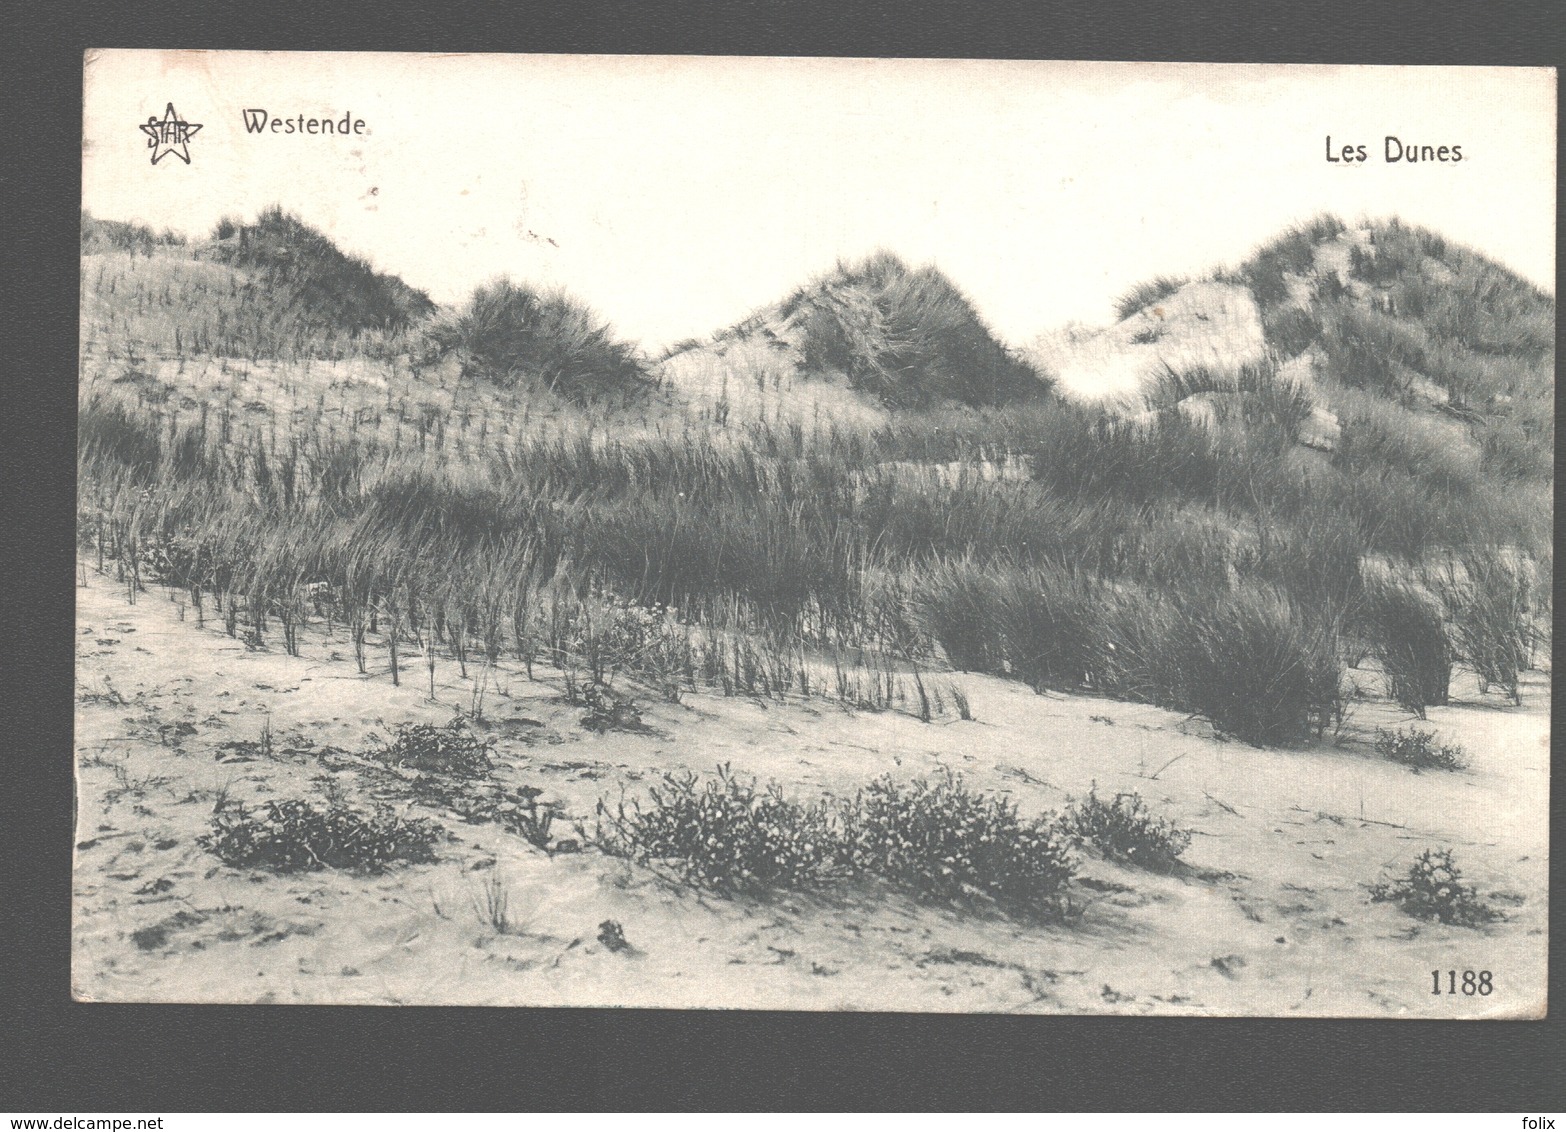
(57, 1056)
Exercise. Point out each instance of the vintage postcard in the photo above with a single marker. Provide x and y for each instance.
(819, 534)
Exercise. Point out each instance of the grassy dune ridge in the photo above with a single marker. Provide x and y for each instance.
(274, 288)
(1194, 555)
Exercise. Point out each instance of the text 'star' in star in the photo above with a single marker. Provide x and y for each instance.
(170, 135)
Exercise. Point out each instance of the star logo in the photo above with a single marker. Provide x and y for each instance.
(169, 135)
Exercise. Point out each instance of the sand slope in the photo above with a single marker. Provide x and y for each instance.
(1201, 324)
(1271, 917)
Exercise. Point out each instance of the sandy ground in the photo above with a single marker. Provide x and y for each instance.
(751, 380)
(1272, 916)
(1201, 324)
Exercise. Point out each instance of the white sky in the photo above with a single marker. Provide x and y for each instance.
(682, 192)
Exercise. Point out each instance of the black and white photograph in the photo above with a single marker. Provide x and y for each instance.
(814, 534)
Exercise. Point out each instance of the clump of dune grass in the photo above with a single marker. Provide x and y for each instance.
(1368, 349)
(1258, 665)
(1519, 446)
(1047, 621)
(1147, 294)
(1030, 622)
(1382, 435)
(955, 605)
(1405, 628)
(906, 335)
(1290, 330)
(109, 430)
(1291, 254)
(513, 331)
(1252, 394)
(492, 905)
(1488, 594)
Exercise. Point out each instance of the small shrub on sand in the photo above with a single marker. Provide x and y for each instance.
(938, 840)
(294, 836)
(1433, 890)
(451, 749)
(943, 841)
(607, 710)
(725, 833)
(1419, 749)
(613, 635)
(612, 935)
(1124, 830)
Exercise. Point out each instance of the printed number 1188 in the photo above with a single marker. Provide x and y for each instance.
(1464, 982)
